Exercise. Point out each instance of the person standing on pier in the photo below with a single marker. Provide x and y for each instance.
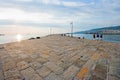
(93, 36)
(97, 35)
(101, 36)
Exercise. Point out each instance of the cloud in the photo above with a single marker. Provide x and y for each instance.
(66, 3)
(23, 29)
(20, 29)
(73, 4)
(24, 0)
(54, 2)
(21, 15)
(59, 13)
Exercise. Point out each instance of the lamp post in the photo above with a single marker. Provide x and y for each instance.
(71, 29)
(50, 31)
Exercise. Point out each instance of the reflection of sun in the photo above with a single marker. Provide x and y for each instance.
(19, 37)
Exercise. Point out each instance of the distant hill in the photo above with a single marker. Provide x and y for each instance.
(105, 30)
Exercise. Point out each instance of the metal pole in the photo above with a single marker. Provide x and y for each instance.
(71, 29)
(50, 31)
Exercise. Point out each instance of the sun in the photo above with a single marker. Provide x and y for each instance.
(19, 37)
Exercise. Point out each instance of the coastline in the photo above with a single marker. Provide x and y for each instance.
(59, 57)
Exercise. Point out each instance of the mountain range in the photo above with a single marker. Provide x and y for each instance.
(104, 30)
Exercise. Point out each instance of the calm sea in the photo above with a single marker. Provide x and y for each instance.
(14, 38)
(107, 38)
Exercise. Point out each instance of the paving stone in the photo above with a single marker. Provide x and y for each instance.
(1, 75)
(41, 60)
(70, 72)
(22, 65)
(23, 56)
(44, 55)
(74, 58)
(79, 62)
(44, 71)
(35, 77)
(54, 58)
(17, 59)
(55, 68)
(5, 57)
(35, 55)
(14, 73)
(35, 65)
(53, 76)
(64, 64)
(28, 59)
(6, 60)
(9, 65)
(13, 79)
(30, 74)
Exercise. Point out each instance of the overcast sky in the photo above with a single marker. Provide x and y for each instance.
(28, 16)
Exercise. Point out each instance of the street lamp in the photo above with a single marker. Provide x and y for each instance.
(50, 31)
(71, 29)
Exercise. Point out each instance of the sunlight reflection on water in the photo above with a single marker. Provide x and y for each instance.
(19, 37)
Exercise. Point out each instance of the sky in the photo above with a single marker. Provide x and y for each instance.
(39, 16)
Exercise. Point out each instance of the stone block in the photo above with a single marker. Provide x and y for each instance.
(44, 71)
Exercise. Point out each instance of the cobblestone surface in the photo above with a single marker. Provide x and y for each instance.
(59, 58)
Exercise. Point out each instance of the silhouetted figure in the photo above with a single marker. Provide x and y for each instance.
(64, 34)
(101, 36)
(61, 34)
(83, 37)
(93, 36)
(78, 37)
(97, 35)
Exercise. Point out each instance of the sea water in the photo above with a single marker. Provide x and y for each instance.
(13, 38)
(108, 38)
